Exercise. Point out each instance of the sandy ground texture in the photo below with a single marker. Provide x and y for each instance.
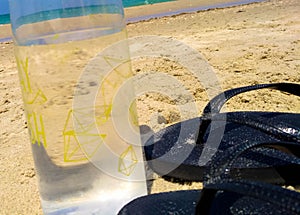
(245, 45)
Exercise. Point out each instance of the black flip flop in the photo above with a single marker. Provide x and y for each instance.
(182, 150)
(223, 195)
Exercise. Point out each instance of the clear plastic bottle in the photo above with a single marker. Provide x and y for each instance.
(73, 60)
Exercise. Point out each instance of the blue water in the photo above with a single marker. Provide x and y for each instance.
(131, 3)
(46, 15)
(4, 19)
(69, 12)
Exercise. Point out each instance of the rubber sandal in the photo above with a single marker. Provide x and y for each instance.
(182, 150)
(224, 195)
(177, 202)
(221, 194)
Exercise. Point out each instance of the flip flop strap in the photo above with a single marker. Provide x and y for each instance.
(273, 127)
(217, 177)
(222, 162)
(215, 105)
(277, 196)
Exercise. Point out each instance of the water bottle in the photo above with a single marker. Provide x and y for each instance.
(75, 77)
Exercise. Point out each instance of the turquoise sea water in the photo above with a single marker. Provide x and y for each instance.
(4, 19)
(131, 3)
(66, 13)
(46, 15)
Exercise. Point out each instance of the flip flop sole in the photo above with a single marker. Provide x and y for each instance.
(177, 202)
(172, 152)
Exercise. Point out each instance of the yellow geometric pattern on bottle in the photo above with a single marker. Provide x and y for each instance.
(105, 115)
(80, 144)
(38, 97)
(56, 37)
(37, 129)
(127, 161)
(113, 62)
(133, 114)
(24, 76)
(32, 97)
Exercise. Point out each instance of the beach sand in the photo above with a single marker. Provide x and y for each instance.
(245, 45)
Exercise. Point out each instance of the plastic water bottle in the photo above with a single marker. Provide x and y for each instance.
(74, 72)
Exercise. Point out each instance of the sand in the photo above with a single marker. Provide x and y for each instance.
(250, 44)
